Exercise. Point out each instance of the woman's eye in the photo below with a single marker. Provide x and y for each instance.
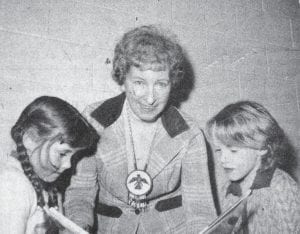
(62, 154)
(233, 150)
(138, 82)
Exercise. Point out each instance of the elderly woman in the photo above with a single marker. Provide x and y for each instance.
(48, 133)
(151, 164)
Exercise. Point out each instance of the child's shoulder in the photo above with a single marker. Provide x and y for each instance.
(12, 178)
(283, 188)
(282, 179)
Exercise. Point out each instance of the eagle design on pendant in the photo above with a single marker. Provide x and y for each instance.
(138, 181)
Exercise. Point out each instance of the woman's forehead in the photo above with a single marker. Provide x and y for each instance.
(151, 66)
(148, 74)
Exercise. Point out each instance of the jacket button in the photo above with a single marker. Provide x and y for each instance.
(137, 211)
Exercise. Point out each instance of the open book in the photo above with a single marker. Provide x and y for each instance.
(226, 221)
(64, 221)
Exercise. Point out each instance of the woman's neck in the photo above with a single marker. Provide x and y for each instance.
(136, 121)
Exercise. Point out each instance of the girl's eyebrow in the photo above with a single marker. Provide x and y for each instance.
(68, 150)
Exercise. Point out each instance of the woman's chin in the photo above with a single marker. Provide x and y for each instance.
(50, 178)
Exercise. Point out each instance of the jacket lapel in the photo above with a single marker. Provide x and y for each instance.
(112, 152)
(164, 151)
(168, 142)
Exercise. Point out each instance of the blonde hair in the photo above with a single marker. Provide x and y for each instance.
(249, 124)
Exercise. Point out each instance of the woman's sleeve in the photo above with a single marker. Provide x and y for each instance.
(17, 202)
(80, 195)
(196, 191)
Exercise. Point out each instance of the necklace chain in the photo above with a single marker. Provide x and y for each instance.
(133, 146)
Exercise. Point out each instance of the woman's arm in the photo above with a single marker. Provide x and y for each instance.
(196, 191)
(17, 201)
(80, 195)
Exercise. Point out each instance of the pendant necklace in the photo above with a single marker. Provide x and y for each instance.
(138, 182)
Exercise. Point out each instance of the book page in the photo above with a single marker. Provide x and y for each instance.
(64, 221)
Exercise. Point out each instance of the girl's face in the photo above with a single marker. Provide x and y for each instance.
(49, 158)
(238, 162)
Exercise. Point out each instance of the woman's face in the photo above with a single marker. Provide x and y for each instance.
(237, 162)
(49, 158)
(147, 92)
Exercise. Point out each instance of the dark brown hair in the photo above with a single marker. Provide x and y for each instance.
(46, 115)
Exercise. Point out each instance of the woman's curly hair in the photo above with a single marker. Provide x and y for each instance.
(148, 47)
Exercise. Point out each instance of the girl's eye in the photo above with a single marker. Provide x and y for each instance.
(217, 150)
(62, 154)
(233, 150)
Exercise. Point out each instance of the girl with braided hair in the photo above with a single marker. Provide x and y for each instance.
(48, 134)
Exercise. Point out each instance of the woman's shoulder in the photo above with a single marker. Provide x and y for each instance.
(87, 113)
(193, 124)
(91, 107)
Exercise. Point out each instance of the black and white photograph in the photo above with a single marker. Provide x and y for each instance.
(149, 117)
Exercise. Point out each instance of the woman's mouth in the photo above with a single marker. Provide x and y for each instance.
(147, 108)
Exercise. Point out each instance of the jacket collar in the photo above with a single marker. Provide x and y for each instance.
(110, 110)
(262, 180)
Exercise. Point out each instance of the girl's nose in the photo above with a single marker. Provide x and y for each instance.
(66, 164)
(223, 157)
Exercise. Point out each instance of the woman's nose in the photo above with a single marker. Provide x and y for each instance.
(150, 98)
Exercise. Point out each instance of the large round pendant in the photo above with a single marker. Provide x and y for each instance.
(139, 182)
